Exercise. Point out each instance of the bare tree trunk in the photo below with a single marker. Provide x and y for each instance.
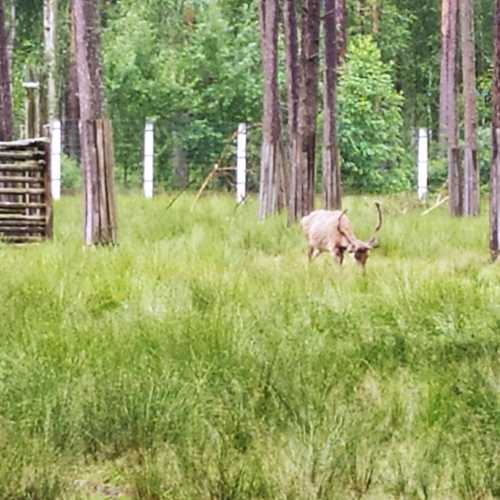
(271, 130)
(292, 79)
(5, 84)
(331, 168)
(11, 36)
(50, 37)
(449, 103)
(95, 133)
(446, 7)
(495, 162)
(71, 101)
(179, 161)
(470, 193)
(341, 20)
(303, 164)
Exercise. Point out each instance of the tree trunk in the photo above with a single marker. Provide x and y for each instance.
(11, 37)
(50, 37)
(495, 163)
(470, 193)
(306, 139)
(271, 130)
(331, 168)
(5, 84)
(179, 160)
(448, 103)
(444, 73)
(292, 79)
(303, 157)
(71, 101)
(95, 133)
(341, 20)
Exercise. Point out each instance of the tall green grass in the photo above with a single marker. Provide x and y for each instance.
(204, 358)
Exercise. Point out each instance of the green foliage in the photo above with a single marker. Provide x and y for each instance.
(203, 358)
(71, 175)
(370, 122)
(198, 79)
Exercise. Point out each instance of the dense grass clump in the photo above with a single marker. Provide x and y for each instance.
(203, 358)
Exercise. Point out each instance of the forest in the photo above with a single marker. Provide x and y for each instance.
(195, 68)
(178, 343)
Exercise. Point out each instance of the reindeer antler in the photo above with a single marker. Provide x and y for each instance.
(379, 224)
(343, 233)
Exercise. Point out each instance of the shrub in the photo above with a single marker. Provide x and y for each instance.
(370, 122)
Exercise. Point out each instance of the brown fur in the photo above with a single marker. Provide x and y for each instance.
(331, 231)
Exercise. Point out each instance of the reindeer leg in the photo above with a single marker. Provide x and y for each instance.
(338, 255)
(312, 253)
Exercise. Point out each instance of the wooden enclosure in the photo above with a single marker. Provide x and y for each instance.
(25, 198)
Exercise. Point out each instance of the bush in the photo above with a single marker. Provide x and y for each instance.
(370, 123)
(71, 177)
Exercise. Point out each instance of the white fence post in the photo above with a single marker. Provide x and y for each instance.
(422, 163)
(55, 158)
(148, 159)
(241, 163)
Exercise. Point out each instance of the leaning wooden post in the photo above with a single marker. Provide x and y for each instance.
(422, 163)
(32, 110)
(55, 158)
(241, 163)
(148, 159)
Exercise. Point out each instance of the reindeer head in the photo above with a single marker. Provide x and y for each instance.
(360, 249)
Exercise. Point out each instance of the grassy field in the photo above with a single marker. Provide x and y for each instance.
(204, 359)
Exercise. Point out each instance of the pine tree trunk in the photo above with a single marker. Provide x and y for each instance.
(448, 10)
(470, 193)
(71, 102)
(50, 35)
(495, 163)
(303, 163)
(5, 84)
(95, 132)
(271, 130)
(292, 79)
(448, 88)
(11, 37)
(331, 168)
(341, 21)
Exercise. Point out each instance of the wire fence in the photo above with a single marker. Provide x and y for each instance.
(182, 157)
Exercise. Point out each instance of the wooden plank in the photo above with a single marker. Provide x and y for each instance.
(21, 229)
(110, 181)
(31, 166)
(37, 142)
(49, 213)
(12, 205)
(101, 181)
(21, 155)
(34, 225)
(21, 217)
(22, 191)
(19, 178)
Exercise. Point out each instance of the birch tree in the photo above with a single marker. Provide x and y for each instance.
(495, 162)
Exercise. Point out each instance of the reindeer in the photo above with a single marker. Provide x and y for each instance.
(331, 231)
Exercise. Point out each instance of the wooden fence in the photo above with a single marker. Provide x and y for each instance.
(25, 197)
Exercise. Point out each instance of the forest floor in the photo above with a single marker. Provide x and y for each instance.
(203, 358)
